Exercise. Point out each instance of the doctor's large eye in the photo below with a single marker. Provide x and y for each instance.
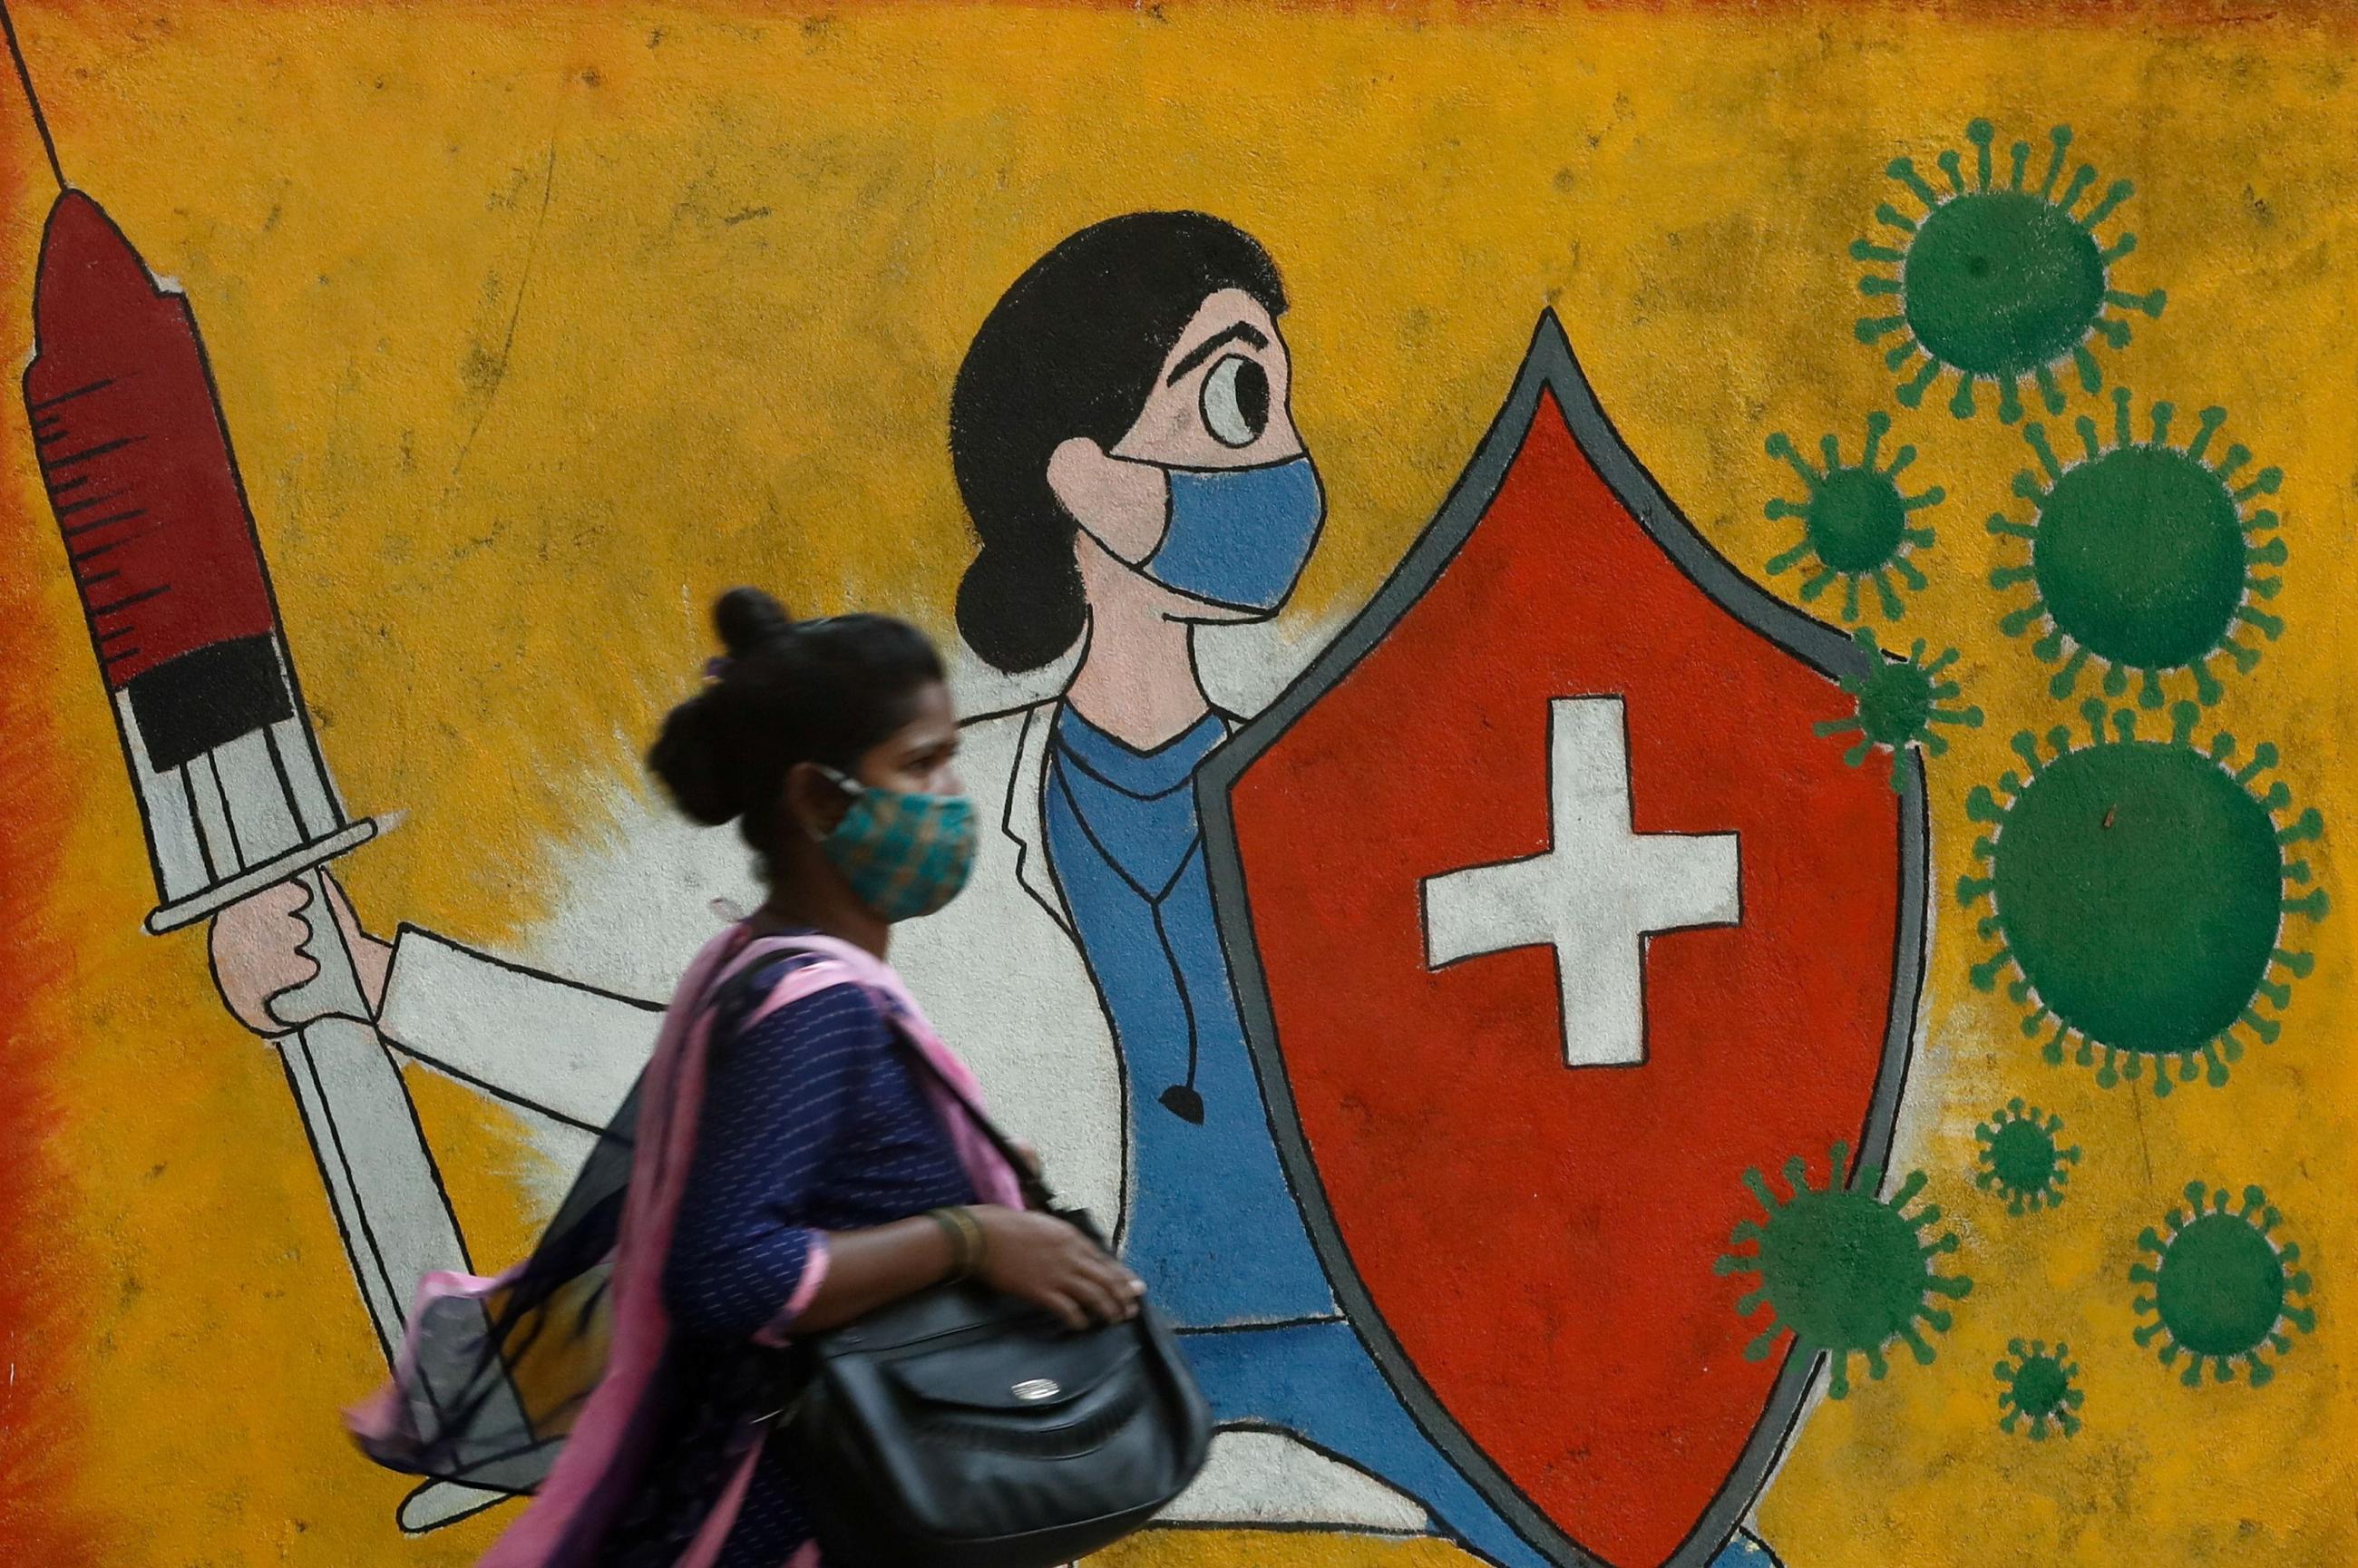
(1236, 401)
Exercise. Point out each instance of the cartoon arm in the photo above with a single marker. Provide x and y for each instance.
(550, 1045)
(565, 1050)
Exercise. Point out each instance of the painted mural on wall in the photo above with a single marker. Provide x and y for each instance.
(1645, 989)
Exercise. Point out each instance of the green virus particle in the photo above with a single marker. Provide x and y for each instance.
(2138, 890)
(1998, 282)
(2020, 1159)
(1899, 701)
(2224, 1289)
(2141, 556)
(1843, 1271)
(2036, 1387)
(1855, 522)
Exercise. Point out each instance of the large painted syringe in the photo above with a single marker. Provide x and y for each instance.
(231, 785)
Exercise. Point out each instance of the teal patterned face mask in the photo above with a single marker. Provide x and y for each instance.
(904, 854)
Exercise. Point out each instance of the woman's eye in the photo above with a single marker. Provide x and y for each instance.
(1236, 401)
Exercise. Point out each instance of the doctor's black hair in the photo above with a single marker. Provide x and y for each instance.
(1072, 348)
(787, 692)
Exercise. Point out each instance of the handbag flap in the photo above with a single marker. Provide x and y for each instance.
(1034, 1371)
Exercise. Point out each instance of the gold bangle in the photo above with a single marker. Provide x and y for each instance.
(976, 1243)
(966, 1239)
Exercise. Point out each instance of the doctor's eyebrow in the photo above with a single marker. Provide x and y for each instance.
(1205, 350)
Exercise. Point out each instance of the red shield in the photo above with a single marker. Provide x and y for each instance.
(1526, 1239)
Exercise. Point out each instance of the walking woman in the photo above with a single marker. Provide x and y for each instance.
(789, 1170)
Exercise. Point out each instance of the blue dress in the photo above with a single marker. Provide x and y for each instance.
(812, 1121)
(1214, 1228)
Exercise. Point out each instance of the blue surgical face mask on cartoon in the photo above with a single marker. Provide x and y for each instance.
(1239, 537)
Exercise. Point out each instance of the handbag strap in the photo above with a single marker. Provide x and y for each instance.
(1036, 1192)
(1037, 1195)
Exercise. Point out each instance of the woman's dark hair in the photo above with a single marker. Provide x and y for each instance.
(1072, 348)
(787, 692)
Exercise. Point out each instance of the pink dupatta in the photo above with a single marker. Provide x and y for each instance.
(603, 1453)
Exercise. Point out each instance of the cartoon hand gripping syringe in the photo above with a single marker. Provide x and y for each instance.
(233, 791)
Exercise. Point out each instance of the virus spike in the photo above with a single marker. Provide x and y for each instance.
(2081, 177)
(2119, 192)
(2049, 393)
(1950, 166)
(2123, 246)
(2091, 375)
(1979, 133)
(2120, 418)
(1878, 424)
(1887, 213)
(2020, 153)
(2068, 677)
(1888, 599)
(2264, 483)
(2087, 429)
(1874, 329)
(1912, 394)
(1873, 286)
(2062, 138)
(2206, 426)
(1867, 251)
(2162, 414)
(1962, 404)
(2036, 434)
(1904, 171)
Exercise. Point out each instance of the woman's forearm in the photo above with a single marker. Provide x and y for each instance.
(873, 1267)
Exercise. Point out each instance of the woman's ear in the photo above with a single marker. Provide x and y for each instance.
(813, 802)
(1124, 506)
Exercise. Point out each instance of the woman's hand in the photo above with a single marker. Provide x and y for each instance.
(1041, 1259)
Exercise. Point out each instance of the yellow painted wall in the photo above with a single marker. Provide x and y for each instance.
(536, 324)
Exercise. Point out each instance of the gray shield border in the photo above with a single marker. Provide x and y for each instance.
(1550, 365)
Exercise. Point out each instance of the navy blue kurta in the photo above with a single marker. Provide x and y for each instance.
(812, 1121)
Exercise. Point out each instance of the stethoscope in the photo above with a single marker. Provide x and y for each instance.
(1182, 1099)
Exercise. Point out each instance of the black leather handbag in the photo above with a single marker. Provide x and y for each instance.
(960, 1428)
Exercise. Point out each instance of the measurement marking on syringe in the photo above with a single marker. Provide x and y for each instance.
(94, 500)
(98, 451)
(128, 600)
(69, 396)
(103, 522)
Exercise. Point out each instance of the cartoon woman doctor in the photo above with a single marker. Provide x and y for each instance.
(1121, 436)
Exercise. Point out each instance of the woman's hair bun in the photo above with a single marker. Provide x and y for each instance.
(747, 619)
(691, 758)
